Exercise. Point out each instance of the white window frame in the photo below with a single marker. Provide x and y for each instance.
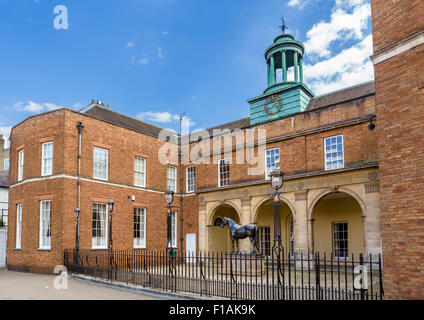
(136, 181)
(274, 165)
(44, 240)
(94, 240)
(46, 170)
(96, 172)
(191, 187)
(18, 243)
(140, 243)
(21, 165)
(174, 178)
(333, 225)
(6, 164)
(331, 151)
(174, 230)
(219, 172)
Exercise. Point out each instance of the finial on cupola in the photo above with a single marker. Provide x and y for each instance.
(283, 25)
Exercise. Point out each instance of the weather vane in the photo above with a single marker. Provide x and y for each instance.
(283, 26)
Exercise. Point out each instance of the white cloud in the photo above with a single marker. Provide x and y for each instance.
(351, 66)
(5, 132)
(34, 107)
(162, 117)
(160, 53)
(142, 60)
(342, 26)
(165, 32)
(297, 3)
(130, 44)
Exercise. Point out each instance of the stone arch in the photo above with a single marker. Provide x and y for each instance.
(263, 216)
(220, 204)
(338, 213)
(265, 199)
(325, 192)
(219, 240)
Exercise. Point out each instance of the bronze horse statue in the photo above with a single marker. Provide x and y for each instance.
(239, 232)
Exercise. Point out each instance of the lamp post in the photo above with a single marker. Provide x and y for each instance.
(110, 204)
(77, 235)
(169, 198)
(276, 179)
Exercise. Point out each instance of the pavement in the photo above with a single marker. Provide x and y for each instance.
(30, 286)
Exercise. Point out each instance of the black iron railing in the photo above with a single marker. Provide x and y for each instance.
(237, 276)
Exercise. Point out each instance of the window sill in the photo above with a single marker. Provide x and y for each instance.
(101, 179)
(140, 248)
(99, 248)
(17, 249)
(44, 249)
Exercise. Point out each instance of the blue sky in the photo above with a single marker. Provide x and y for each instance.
(155, 59)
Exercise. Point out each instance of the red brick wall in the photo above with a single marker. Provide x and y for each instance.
(393, 21)
(123, 144)
(400, 109)
(305, 153)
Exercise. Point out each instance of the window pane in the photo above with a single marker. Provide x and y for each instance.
(45, 224)
(99, 225)
(333, 153)
(100, 165)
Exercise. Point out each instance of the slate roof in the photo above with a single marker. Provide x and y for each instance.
(348, 94)
(337, 97)
(114, 117)
(4, 179)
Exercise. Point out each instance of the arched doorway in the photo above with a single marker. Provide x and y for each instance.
(220, 240)
(265, 221)
(338, 225)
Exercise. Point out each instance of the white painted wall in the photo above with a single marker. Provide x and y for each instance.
(4, 198)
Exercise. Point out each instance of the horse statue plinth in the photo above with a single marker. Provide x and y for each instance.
(238, 232)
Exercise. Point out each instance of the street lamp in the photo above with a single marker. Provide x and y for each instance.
(110, 204)
(276, 179)
(169, 198)
(77, 234)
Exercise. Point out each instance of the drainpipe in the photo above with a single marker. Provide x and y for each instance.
(80, 126)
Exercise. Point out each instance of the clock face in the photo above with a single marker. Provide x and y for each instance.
(273, 104)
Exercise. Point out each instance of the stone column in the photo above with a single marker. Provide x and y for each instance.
(283, 65)
(203, 230)
(268, 71)
(372, 222)
(300, 68)
(244, 244)
(301, 222)
(296, 70)
(272, 67)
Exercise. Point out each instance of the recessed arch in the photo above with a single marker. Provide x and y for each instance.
(265, 199)
(325, 192)
(220, 204)
(337, 217)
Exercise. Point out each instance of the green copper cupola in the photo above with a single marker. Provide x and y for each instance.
(283, 95)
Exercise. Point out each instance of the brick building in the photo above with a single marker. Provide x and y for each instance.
(352, 183)
(322, 143)
(398, 35)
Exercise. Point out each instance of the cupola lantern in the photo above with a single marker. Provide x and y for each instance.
(283, 95)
